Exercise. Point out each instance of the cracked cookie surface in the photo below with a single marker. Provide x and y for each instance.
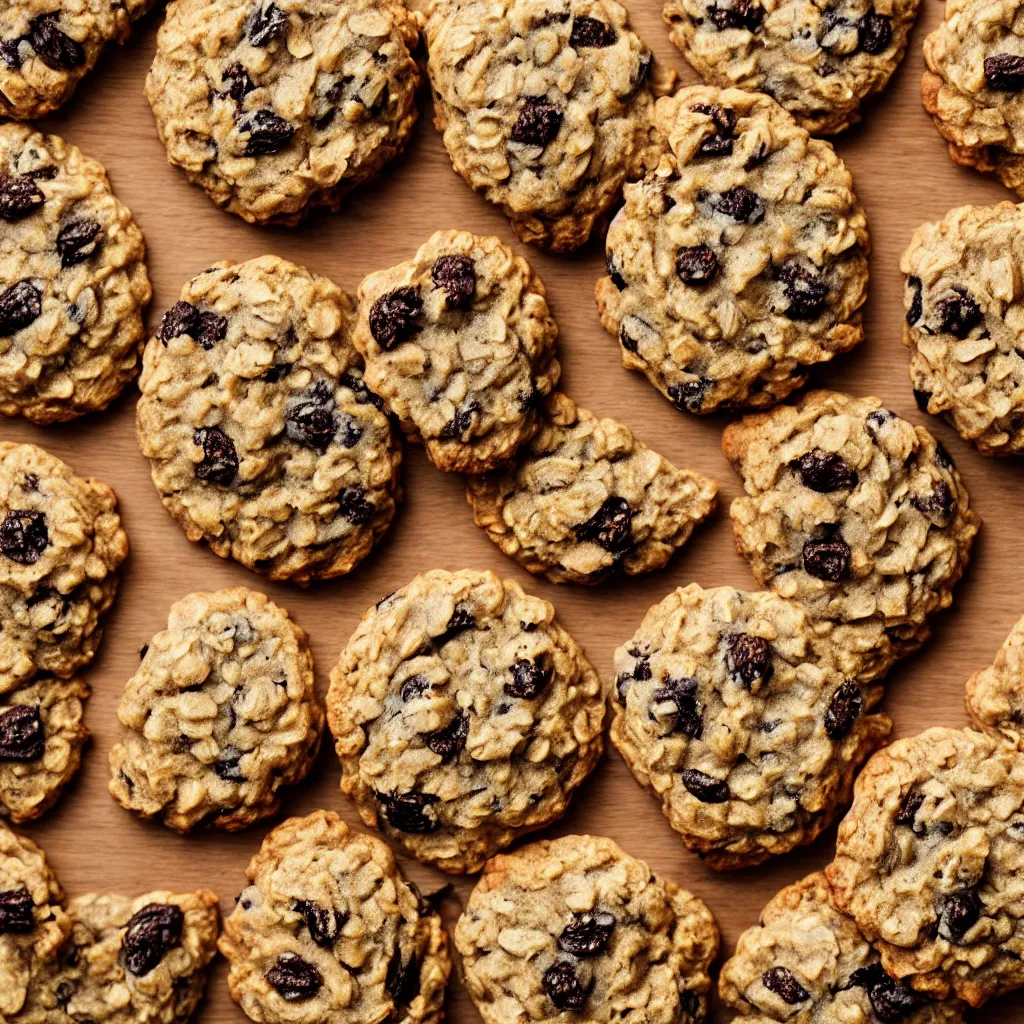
(574, 926)
(544, 107)
(328, 930)
(995, 695)
(965, 322)
(464, 716)
(460, 343)
(263, 439)
(740, 261)
(732, 712)
(856, 513)
(73, 283)
(221, 713)
(277, 107)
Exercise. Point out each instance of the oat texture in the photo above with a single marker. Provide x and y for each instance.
(995, 695)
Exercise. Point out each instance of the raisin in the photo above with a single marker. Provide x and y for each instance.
(179, 319)
(825, 472)
(353, 506)
(461, 620)
(268, 132)
(456, 276)
(742, 14)
(704, 787)
(150, 935)
(908, 811)
(689, 713)
(20, 305)
(405, 811)
(874, 33)
(229, 766)
(942, 457)
(739, 204)
(610, 527)
(460, 425)
(691, 394)
(528, 679)
(294, 978)
(783, 983)
(24, 536)
(916, 306)
(696, 264)
(537, 124)
(311, 421)
(394, 317)
(827, 560)
(719, 141)
(22, 737)
(614, 273)
(265, 24)
(413, 687)
(362, 394)
(220, 459)
(56, 49)
(1005, 72)
(806, 291)
(77, 241)
(587, 934)
(960, 910)
(449, 741)
(750, 659)
(210, 328)
(17, 912)
(890, 1000)
(9, 53)
(324, 923)
(959, 312)
(19, 196)
(844, 707)
(922, 398)
(939, 501)
(237, 83)
(564, 987)
(402, 979)
(590, 32)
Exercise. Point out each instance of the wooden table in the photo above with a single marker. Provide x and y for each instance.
(903, 176)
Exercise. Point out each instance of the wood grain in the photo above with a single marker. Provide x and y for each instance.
(903, 176)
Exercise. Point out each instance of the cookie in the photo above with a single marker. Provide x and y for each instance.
(741, 261)
(329, 930)
(857, 514)
(806, 964)
(61, 546)
(585, 499)
(33, 925)
(221, 713)
(820, 60)
(732, 711)
(995, 695)
(544, 107)
(277, 108)
(964, 303)
(263, 438)
(73, 281)
(573, 927)
(464, 716)
(46, 48)
(460, 343)
(129, 960)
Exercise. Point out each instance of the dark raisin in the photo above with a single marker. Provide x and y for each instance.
(16, 912)
(742, 14)
(413, 687)
(20, 305)
(843, 709)
(179, 319)
(210, 328)
(237, 83)
(696, 264)
(22, 737)
(220, 459)
(590, 32)
(907, 813)
(528, 679)
(268, 132)
(960, 910)
(229, 765)
(10, 54)
(265, 24)
(827, 560)
(402, 979)
(564, 987)
(689, 713)
(294, 978)
(805, 291)
(354, 507)
(150, 935)
(324, 923)
(825, 472)
(456, 275)
(24, 536)
(610, 527)
(719, 141)
(77, 241)
(311, 421)
(891, 1001)
(942, 457)
(739, 204)
(587, 934)
(449, 741)
(614, 273)
(56, 49)
(1005, 72)
(537, 124)
(691, 394)
(406, 811)
(362, 394)
(939, 501)
(916, 305)
(459, 426)
(704, 787)
(394, 317)
(750, 659)
(922, 398)
(19, 196)
(783, 983)
(461, 620)
(959, 312)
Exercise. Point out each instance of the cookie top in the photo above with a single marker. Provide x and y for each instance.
(73, 283)
(732, 711)
(329, 932)
(995, 695)
(263, 438)
(964, 324)
(929, 862)
(460, 343)
(856, 513)
(818, 58)
(740, 261)
(575, 926)
(61, 545)
(33, 924)
(805, 964)
(274, 107)
(544, 107)
(464, 716)
(221, 712)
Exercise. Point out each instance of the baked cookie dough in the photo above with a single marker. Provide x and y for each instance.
(806, 964)
(732, 712)
(328, 930)
(857, 514)
(275, 107)
(584, 499)
(460, 343)
(545, 108)
(464, 716)
(73, 283)
(741, 261)
(263, 437)
(995, 695)
(61, 545)
(574, 928)
(930, 862)
(965, 322)
(47, 47)
(221, 713)
(819, 59)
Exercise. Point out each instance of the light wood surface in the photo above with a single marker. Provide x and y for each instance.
(903, 176)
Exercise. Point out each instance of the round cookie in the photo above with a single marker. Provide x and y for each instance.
(733, 713)
(995, 695)
(964, 324)
(806, 964)
(464, 716)
(741, 261)
(33, 925)
(221, 713)
(821, 60)
(856, 513)
(460, 343)
(544, 107)
(73, 283)
(930, 862)
(573, 927)
(329, 930)
(275, 107)
(61, 545)
(263, 438)
(584, 499)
